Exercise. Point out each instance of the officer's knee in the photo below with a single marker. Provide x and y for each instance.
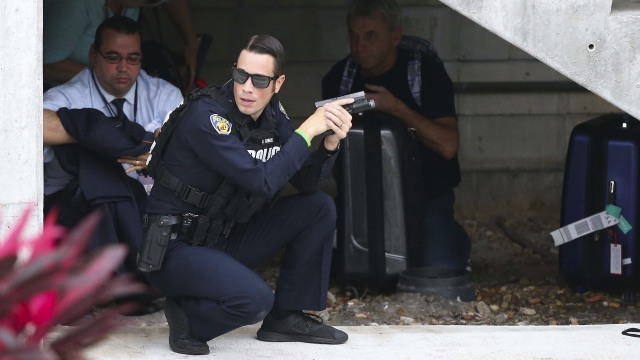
(259, 305)
(324, 205)
(256, 304)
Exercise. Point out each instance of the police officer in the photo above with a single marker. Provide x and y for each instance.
(229, 153)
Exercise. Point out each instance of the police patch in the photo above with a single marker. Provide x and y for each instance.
(220, 124)
(282, 110)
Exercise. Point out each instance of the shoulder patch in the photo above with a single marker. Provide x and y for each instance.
(282, 110)
(220, 124)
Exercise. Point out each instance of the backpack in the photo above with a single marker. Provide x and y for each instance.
(417, 47)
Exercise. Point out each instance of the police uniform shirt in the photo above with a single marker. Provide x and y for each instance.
(155, 99)
(206, 148)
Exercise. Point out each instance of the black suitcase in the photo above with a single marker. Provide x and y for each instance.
(379, 182)
(602, 166)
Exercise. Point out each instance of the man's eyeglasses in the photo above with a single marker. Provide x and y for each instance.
(260, 81)
(112, 58)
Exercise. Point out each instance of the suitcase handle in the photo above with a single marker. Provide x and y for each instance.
(611, 199)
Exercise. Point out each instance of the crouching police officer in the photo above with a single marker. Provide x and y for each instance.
(219, 162)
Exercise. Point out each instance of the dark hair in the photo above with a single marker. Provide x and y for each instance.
(387, 8)
(267, 44)
(119, 24)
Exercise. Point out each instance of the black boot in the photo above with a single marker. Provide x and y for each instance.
(180, 339)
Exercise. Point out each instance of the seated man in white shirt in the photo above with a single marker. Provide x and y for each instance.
(114, 74)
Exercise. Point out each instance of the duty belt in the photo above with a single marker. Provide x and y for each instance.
(179, 223)
(184, 224)
(185, 192)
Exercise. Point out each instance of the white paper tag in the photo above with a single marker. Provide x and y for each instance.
(583, 227)
(616, 259)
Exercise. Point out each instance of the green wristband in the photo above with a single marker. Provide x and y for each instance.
(299, 132)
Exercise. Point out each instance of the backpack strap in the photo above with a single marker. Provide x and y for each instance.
(348, 75)
(418, 47)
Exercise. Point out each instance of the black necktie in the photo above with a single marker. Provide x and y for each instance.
(121, 118)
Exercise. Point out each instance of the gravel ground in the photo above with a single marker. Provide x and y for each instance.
(515, 273)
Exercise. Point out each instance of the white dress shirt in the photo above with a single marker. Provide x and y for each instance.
(154, 100)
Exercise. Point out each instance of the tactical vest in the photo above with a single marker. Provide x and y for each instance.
(229, 203)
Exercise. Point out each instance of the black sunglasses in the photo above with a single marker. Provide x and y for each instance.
(112, 58)
(260, 81)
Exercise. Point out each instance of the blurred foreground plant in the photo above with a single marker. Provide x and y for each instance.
(58, 283)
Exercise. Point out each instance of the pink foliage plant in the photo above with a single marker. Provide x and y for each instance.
(57, 282)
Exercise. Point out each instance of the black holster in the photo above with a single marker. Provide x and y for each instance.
(156, 240)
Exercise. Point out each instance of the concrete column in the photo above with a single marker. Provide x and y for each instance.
(21, 112)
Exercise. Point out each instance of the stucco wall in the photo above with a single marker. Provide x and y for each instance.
(21, 104)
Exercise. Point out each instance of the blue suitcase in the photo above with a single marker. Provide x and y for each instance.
(602, 166)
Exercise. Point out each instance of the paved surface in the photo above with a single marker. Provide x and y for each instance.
(146, 338)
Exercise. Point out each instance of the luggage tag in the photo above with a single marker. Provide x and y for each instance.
(583, 227)
(611, 216)
(617, 262)
(616, 212)
(616, 259)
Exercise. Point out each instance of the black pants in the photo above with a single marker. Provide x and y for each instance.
(71, 204)
(445, 243)
(120, 222)
(216, 286)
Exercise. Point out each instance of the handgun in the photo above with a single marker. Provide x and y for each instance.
(359, 104)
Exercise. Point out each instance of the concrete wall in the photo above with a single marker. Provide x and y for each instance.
(594, 42)
(21, 104)
(516, 113)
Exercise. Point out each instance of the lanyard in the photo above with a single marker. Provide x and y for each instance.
(108, 105)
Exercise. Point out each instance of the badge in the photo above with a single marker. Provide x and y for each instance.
(282, 110)
(220, 124)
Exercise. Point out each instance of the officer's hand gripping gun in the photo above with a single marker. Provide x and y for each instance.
(359, 104)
